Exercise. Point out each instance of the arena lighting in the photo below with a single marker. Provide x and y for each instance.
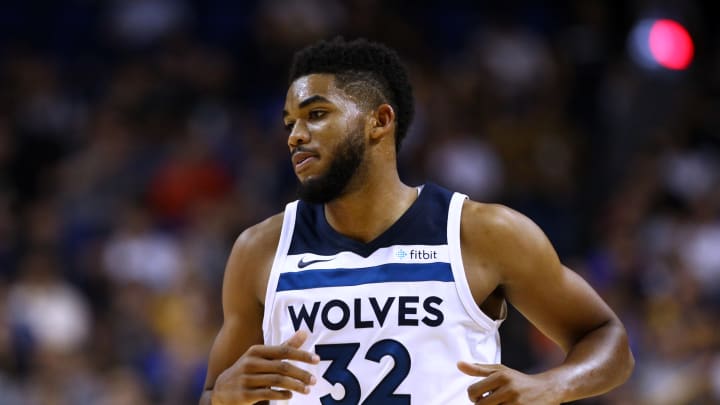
(661, 43)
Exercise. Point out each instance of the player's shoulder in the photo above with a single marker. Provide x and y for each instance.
(262, 236)
(493, 217)
(498, 228)
(250, 262)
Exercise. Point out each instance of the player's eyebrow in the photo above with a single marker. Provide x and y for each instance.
(310, 100)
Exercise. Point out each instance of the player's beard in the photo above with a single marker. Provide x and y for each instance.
(347, 158)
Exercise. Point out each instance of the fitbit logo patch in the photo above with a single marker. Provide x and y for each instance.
(423, 254)
(417, 254)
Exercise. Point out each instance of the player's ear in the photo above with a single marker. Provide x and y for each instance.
(382, 122)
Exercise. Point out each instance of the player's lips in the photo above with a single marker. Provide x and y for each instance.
(301, 159)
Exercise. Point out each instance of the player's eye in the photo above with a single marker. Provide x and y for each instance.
(316, 114)
(289, 126)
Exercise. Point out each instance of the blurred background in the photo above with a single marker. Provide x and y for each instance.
(138, 138)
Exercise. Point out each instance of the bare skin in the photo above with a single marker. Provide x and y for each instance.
(506, 257)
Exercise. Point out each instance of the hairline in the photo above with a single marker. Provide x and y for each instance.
(345, 82)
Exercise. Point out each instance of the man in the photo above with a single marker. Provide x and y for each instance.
(369, 291)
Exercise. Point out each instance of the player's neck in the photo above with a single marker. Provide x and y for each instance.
(369, 209)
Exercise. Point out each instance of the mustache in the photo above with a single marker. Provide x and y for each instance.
(299, 149)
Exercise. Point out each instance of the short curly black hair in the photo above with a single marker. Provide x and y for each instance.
(370, 71)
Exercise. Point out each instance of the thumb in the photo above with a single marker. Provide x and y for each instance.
(478, 370)
(297, 339)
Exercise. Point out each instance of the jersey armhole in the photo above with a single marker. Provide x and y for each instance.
(458, 268)
(286, 234)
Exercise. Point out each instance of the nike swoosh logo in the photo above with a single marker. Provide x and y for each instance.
(303, 263)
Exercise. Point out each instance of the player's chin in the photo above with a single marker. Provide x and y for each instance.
(308, 178)
(304, 180)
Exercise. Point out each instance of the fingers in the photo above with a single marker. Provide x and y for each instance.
(489, 390)
(286, 351)
(278, 381)
(291, 349)
(479, 370)
(485, 387)
(280, 369)
(297, 339)
(265, 366)
(499, 396)
(250, 395)
(267, 373)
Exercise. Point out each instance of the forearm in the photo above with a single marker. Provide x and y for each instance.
(597, 363)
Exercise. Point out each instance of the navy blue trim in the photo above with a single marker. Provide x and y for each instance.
(424, 223)
(391, 272)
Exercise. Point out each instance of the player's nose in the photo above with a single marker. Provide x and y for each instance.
(298, 136)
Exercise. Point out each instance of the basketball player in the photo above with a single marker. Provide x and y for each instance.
(369, 291)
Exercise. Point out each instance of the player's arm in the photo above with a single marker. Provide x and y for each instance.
(554, 299)
(241, 370)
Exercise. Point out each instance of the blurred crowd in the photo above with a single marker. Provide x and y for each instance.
(138, 138)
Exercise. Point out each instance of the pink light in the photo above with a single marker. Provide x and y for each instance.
(671, 45)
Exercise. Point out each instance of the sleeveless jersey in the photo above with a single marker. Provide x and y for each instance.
(389, 319)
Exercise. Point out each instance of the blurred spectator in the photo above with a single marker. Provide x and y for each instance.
(189, 177)
(468, 165)
(53, 311)
(137, 253)
(142, 22)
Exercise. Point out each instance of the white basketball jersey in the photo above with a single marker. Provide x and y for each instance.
(389, 319)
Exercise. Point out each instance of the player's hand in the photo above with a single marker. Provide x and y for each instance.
(261, 367)
(503, 385)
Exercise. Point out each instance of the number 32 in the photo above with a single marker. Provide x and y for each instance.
(337, 372)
